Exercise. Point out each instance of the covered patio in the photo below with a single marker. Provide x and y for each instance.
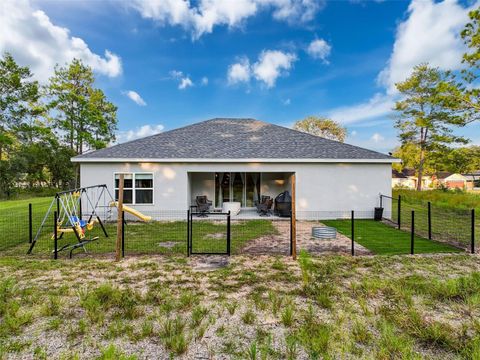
(244, 189)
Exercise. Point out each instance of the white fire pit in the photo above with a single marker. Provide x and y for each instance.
(324, 232)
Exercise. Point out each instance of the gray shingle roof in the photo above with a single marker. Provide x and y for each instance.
(223, 138)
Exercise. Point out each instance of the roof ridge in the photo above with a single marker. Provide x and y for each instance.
(331, 140)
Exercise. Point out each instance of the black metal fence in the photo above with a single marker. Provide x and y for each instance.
(404, 228)
(456, 227)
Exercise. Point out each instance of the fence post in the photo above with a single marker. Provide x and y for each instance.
(55, 236)
(291, 233)
(381, 200)
(473, 233)
(188, 232)
(412, 234)
(30, 225)
(399, 211)
(191, 231)
(123, 234)
(429, 220)
(353, 233)
(228, 233)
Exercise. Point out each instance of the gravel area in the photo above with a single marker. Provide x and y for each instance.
(279, 244)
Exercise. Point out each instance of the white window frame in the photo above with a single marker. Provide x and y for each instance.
(133, 188)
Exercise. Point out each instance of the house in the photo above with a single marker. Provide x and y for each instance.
(470, 181)
(439, 179)
(240, 160)
(407, 178)
(404, 179)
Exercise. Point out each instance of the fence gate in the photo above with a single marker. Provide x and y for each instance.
(208, 233)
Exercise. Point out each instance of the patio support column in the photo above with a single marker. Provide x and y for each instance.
(294, 220)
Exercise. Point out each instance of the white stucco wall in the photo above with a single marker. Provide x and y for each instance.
(320, 186)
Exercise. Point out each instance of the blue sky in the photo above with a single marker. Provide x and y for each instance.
(171, 63)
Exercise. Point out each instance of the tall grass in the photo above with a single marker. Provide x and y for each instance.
(447, 199)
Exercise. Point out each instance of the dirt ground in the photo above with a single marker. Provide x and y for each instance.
(280, 243)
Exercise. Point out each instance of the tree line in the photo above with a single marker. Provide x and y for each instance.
(43, 126)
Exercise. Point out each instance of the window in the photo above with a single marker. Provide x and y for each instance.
(137, 188)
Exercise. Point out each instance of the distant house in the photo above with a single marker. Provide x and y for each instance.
(439, 179)
(407, 178)
(403, 179)
(456, 181)
(239, 160)
(470, 181)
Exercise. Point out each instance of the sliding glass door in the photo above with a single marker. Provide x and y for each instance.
(237, 186)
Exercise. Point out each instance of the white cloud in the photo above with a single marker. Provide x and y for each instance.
(33, 40)
(175, 74)
(206, 14)
(319, 49)
(204, 81)
(239, 72)
(271, 64)
(140, 132)
(185, 83)
(135, 97)
(287, 102)
(378, 105)
(431, 33)
(293, 11)
(376, 137)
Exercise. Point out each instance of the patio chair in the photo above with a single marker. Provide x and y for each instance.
(263, 199)
(264, 208)
(203, 205)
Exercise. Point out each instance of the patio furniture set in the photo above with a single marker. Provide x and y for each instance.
(280, 206)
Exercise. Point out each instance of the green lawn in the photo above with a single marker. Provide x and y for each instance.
(153, 237)
(383, 239)
(14, 219)
(158, 237)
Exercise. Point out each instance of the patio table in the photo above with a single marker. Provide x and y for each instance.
(232, 206)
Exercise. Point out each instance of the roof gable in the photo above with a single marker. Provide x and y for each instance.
(224, 138)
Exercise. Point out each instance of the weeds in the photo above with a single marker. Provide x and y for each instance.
(231, 306)
(112, 353)
(173, 336)
(287, 316)
(198, 314)
(249, 317)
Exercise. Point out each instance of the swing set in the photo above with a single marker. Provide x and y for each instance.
(71, 207)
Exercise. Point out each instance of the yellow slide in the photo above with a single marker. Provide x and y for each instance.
(133, 212)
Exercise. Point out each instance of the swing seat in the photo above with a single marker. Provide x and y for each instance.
(76, 220)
